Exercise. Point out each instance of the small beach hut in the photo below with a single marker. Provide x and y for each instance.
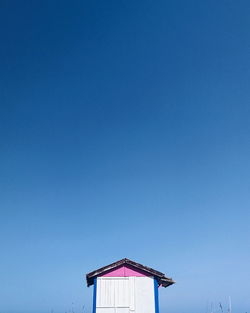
(126, 287)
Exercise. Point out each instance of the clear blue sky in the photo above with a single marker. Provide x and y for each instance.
(124, 132)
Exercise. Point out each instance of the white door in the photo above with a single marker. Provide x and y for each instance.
(115, 295)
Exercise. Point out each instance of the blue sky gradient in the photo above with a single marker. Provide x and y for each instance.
(124, 132)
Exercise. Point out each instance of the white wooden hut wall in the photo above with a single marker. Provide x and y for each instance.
(125, 295)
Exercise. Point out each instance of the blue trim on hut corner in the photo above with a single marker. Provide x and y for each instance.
(94, 297)
(156, 296)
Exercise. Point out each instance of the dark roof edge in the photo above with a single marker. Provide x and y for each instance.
(161, 278)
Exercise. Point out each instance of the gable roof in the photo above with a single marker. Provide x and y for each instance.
(161, 278)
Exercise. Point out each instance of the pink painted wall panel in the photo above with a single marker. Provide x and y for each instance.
(125, 271)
